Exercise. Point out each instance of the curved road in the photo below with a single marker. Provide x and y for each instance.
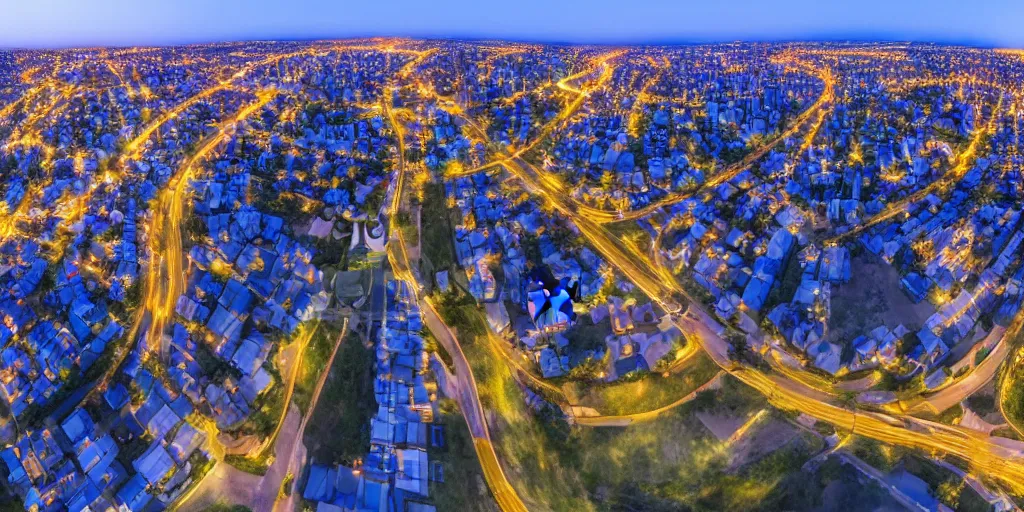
(467, 396)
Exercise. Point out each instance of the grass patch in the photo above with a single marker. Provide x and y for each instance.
(531, 452)
(224, 507)
(1014, 404)
(461, 311)
(982, 404)
(674, 463)
(338, 430)
(1007, 432)
(314, 362)
(836, 485)
(266, 412)
(436, 225)
(650, 390)
(881, 456)
(950, 416)
(430, 344)
(257, 465)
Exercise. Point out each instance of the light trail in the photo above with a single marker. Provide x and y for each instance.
(643, 98)
(981, 454)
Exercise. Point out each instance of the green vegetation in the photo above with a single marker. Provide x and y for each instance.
(224, 507)
(201, 465)
(314, 362)
(435, 222)
(1013, 396)
(836, 485)
(649, 391)
(266, 412)
(531, 457)
(1013, 406)
(257, 465)
(430, 344)
(11, 503)
(947, 486)
(1007, 432)
(464, 487)
(269, 201)
(982, 404)
(461, 312)
(329, 252)
(878, 455)
(674, 462)
(788, 285)
(586, 335)
(943, 483)
(334, 437)
(950, 416)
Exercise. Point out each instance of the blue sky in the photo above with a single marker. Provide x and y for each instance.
(61, 23)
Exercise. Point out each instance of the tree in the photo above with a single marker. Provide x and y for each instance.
(949, 493)
(588, 370)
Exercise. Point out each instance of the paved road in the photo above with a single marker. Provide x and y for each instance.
(978, 377)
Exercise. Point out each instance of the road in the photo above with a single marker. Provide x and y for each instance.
(827, 95)
(995, 460)
(603, 61)
(527, 378)
(1013, 370)
(654, 284)
(964, 161)
(227, 484)
(602, 216)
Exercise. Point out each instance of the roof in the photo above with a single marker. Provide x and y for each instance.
(133, 495)
(155, 463)
(78, 425)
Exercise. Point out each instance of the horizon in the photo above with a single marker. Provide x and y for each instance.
(61, 24)
(479, 40)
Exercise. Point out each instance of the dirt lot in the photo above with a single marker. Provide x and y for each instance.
(873, 297)
(765, 437)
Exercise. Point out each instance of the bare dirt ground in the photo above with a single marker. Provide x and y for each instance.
(723, 426)
(873, 297)
(769, 435)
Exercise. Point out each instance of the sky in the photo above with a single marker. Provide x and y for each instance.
(71, 23)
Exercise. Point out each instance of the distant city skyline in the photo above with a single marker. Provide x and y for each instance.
(69, 23)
